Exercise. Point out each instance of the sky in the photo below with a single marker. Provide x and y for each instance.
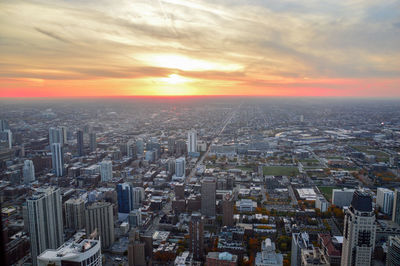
(98, 48)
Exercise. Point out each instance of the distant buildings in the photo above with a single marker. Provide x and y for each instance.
(342, 197)
(208, 197)
(196, 233)
(384, 200)
(79, 143)
(268, 256)
(92, 142)
(100, 220)
(45, 221)
(106, 170)
(28, 171)
(359, 231)
(192, 141)
(76, 251)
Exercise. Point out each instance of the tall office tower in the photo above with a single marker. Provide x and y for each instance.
(300, 241)
(393, 254)
(396, 206)
(359, 231)
(384, 200)
(106, 170)
(76, 251)
(99, 218)
(6, 138)
(196, 233)
(171, 145)
(180, 167)
(75, 214)
(208, 196)
(64, 133)
(55, 135)
(171, 166)
(79, 143)
(136, 250)
(179, 190)
(227, 210)
(57, 158)
(125, 197)
(92, 142)
(135, 218)
(192, 141)
(45, 221)
(28, 171)
(138, 197)
(180, 147)
(131, 149)
(139, 147)
(4, 125)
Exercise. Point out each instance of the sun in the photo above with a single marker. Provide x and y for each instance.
(175, 79)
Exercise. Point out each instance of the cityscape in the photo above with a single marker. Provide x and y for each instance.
(200, 181)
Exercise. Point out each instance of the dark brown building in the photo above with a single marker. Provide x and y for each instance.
(196, 231)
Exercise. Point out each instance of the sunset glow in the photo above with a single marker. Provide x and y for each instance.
(271, 48)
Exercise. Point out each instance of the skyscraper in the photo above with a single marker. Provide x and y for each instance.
(64, 132)
(393, 254)
(136, 249)
(171, 145)
(192, 141)
(45, 221)
(227, 210)
(75, 214)
(396, 206)
(4, 125)
(28, 171)
(384, 200)
(138, 197)
(300, 241)
(196, 233)
(92, 142)
(79, 143)
(56, 135)
(106, 170)
(359, 231)
(99, 217)
(57, 158)
(125, 197)
(140, 147)
(208, 196)
(180, 168)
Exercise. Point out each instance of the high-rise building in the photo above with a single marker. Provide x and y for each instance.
(139, 147)
(6, 138)
(393, 254)
(135, 218)
(192, 141)
(196, 233)
(359, 231)
(28, 171)
(171, 166)
(76, 251)
(79, 143)
(180, 147)
(208, 196)
(138, 197)
(56, 136)
(4, 125)
(64, 133)
(75, 214)
(179, 190)
(180, 169)
(300, 241)
(268, 255)
(131, 149)
(396, 206)
(45, 221)
(171, 145)
(57, 158)
(100, 219)
(342, 197)
(92, 142)
(384, 200)
(136, 250)
(106, 170)
(227, 210)
(125, 197)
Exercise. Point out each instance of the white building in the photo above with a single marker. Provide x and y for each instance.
(106, 171)
(56, 135)
(45, 221)
(384, 200)
(246, 205)
(268, 256)
(28, 171)
(57, 158)
(307, 194)
(192, 141)
(359, 231)
(322, 204)
(75, 214)
(100, 219)
(342, 197)
(138, 196)
(76, 251)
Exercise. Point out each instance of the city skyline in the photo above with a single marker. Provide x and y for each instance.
(181, 48)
